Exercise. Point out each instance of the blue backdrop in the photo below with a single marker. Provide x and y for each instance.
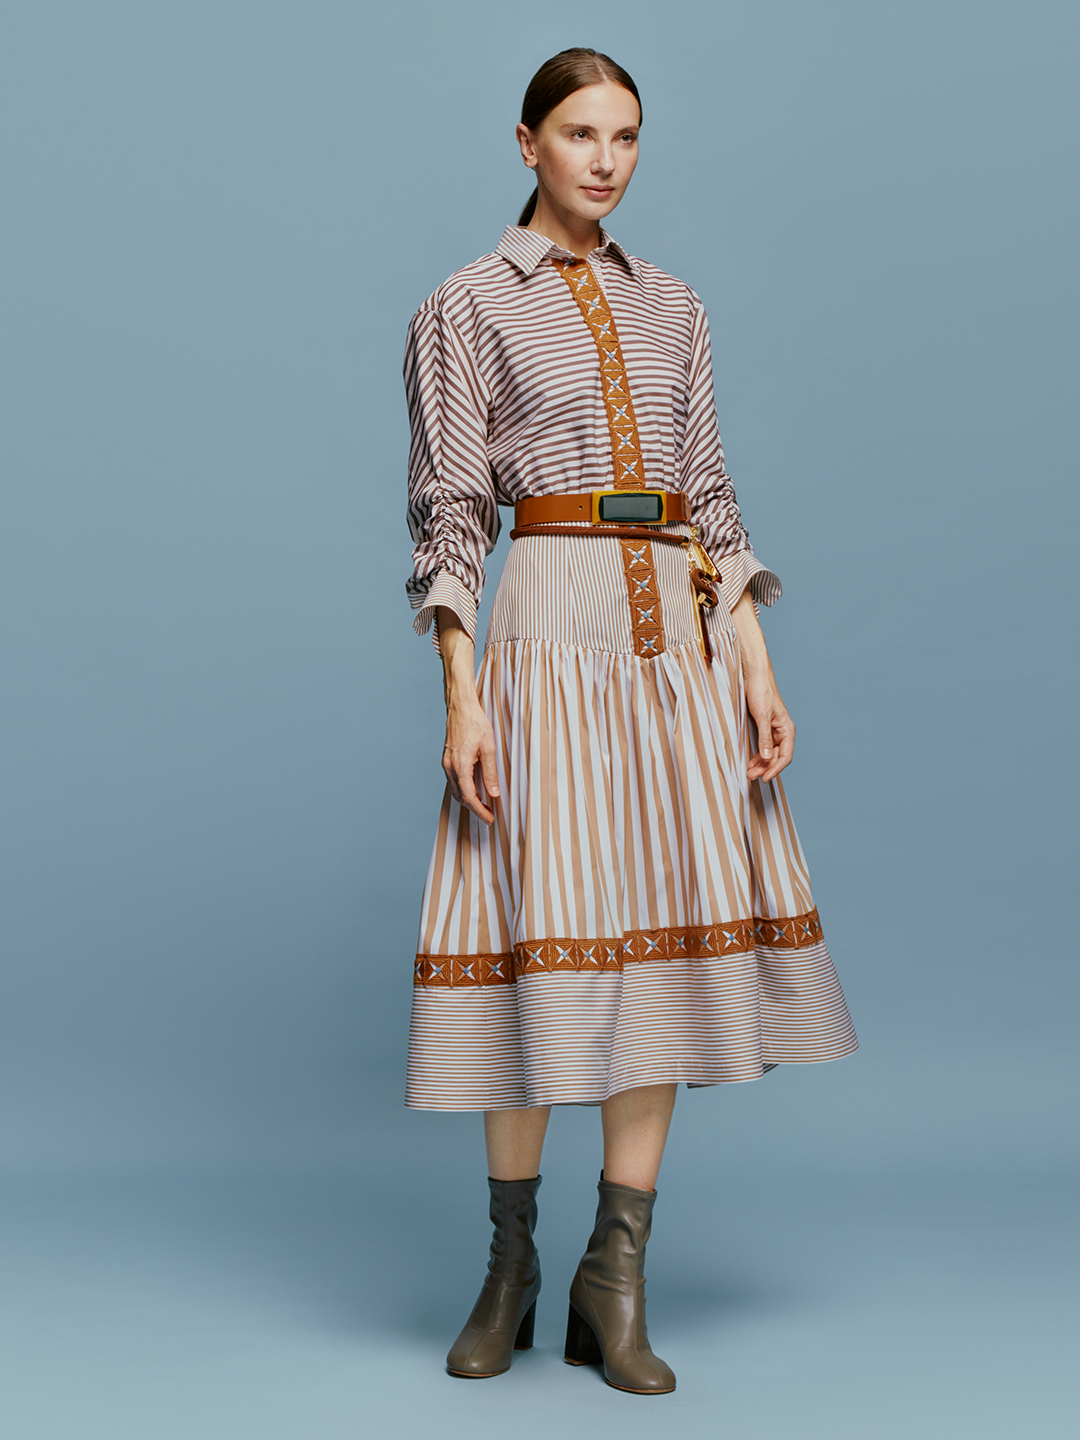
(221, 739)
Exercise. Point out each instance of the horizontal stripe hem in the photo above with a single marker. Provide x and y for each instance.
(693, 1077)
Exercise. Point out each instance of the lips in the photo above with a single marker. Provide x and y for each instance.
(600, 191)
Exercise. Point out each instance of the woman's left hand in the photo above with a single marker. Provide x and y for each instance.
(775, 727)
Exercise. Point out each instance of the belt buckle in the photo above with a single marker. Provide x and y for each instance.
(605, 507)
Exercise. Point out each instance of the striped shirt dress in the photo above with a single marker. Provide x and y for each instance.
(639, 913)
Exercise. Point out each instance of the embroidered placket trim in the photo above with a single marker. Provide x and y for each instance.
(646, 613)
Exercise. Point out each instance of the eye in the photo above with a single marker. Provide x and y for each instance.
(576, 133)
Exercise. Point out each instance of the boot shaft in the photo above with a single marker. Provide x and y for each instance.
(616, 1246)
(513, 1212)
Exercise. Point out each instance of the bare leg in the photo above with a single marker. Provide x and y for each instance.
(635, 1131)
(515, 1141)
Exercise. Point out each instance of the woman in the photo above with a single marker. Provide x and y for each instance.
(617, 900)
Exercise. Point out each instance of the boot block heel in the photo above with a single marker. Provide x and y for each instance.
(524, 1339)
(582, 1347)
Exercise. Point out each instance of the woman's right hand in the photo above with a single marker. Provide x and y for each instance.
(468, 759)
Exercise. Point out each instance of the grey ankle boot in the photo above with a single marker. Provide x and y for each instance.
(607, 1297)
(502, 1318)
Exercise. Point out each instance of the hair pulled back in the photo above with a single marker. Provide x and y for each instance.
(562, 75)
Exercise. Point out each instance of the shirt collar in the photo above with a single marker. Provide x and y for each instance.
(526, 249)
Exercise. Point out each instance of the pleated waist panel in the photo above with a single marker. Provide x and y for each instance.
(598, 592)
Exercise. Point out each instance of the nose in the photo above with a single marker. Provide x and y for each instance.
(604, 162)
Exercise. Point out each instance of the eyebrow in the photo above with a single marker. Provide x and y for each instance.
(584, 125)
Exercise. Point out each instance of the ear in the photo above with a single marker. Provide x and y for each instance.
(528, 151)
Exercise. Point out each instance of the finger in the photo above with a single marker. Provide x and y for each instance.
(480, 789)
(488, 771)
(782, 757)
(451, 774)
(460, 781)
(785, 747)
(762, 757)
(765, 735)
(470, 799)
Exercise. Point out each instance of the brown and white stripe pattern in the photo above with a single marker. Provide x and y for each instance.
(639, 913)
(506, 400)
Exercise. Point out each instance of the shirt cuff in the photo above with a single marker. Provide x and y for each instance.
(446, 589)
(742, 569)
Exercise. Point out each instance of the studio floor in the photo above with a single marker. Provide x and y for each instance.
(318, 1303)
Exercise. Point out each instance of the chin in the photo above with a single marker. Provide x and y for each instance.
(598, 208)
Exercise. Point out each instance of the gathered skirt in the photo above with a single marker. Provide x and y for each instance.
(639, 912)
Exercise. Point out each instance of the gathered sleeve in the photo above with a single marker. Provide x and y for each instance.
(705, 480)
(453, 515)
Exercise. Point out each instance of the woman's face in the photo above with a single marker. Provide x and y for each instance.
(585, 150)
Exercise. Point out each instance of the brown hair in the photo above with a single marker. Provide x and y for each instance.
(559, 77)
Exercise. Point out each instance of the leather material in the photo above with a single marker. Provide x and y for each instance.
(570, 509)
(607, 1296)
(622, 532)
(502, 1318)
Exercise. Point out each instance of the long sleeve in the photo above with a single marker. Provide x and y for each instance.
(705, 479)
(453, 516)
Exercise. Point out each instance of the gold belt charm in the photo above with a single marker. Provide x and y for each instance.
(704, 577)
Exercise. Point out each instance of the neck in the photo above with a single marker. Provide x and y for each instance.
(563, 228)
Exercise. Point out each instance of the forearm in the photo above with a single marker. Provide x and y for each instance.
(458, 659)
(755, 654)
(775, 729)
(469, 752)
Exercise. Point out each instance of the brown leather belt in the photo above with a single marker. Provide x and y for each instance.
(605, 507)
